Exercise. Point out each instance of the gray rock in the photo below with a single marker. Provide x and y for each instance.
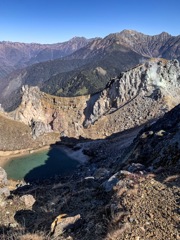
(152, 78)
(4, 191)
(111, 182)
(101, 173)
(1, 109)
(135, 167)
(39, 128)
(63, 223)
(28, 200)
(3, 177)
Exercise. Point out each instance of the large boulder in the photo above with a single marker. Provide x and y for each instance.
(63, 223)
(28, 200)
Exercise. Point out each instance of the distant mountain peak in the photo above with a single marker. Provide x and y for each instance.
(134, 32)
(129, 31)
(75, 38)
(165, 34)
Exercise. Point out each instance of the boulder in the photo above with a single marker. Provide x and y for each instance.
(4, 191)
(63, 223)
(111, 182)
(28, 199)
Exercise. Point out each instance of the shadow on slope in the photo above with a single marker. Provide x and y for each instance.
(139, 197)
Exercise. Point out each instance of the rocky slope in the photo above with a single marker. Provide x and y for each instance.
(127, 191)
(93, 65)
(140, 95)
(16, 137)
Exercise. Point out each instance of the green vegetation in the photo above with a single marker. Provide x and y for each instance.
(74, 83)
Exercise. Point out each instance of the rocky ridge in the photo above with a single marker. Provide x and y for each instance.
(156, 79)
(139, 95)
(162, 45)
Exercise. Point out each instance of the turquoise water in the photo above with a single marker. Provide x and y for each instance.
(40, 165)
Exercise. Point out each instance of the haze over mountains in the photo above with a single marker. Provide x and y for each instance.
(15, 55)
(84, 66)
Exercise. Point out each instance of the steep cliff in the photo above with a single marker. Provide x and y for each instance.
(154, 80)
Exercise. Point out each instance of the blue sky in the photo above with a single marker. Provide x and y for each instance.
(50, 21)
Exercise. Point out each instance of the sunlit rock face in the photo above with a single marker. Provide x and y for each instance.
(154, 79)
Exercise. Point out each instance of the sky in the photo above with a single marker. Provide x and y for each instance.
(52, 21)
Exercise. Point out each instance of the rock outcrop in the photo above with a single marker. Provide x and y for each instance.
(4, 191)
(3, 177)
(141, 94)
(153, 80)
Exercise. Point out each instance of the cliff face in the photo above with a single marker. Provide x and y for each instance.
(139, 95)
(154, 80)
(63, 115)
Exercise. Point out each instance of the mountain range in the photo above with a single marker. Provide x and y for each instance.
(126, 123)
(88, 64)
(15, 55)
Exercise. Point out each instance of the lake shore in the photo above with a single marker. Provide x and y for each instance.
(5, 156)
(78, 155)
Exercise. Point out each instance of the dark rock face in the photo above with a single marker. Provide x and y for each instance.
(160, 142)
